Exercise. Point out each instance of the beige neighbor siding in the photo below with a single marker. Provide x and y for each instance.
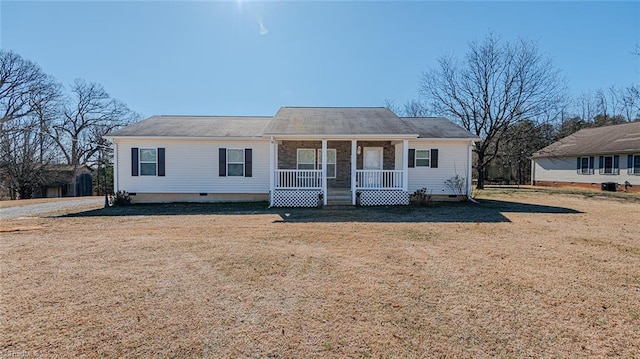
(563, 169)
(192, 167)
(452, 160)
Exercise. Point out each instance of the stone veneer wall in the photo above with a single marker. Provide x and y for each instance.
(287, 157)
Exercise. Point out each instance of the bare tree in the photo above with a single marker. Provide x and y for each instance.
(495, 86)
(411, 108)
(23, 85)
(28, 97)
(86, 118)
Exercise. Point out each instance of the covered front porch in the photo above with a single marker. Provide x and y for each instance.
(316, 172)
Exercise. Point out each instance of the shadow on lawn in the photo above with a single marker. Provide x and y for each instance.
(487, 211)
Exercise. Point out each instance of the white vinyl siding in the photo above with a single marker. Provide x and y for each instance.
(192, 167)
(563, 169)
(452, 161)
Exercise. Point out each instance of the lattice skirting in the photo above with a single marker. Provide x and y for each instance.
(295, 197)
(383, 198)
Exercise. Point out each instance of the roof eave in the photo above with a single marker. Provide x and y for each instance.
(230, 138)
(341, 137)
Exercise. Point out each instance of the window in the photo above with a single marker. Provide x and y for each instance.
(235, 162)
(311, 159)
(331, 162)
(609, 165)
(633, 164)
(585, 165)
(306, 159)
(148, 161)
(423, 158)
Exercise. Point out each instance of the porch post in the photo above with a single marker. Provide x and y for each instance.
(469, 169)
(116, 185)
(405, 165)
(324, 171)
(272, 171)
(354, 145)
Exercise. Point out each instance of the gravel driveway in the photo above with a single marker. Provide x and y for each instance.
(55, 207)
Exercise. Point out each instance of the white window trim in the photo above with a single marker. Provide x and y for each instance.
(235, 163)
(140, 161)
(415, 159)
(335, 164)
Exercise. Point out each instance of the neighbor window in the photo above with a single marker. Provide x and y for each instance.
(331, 162)
(609, 165)
(148, 161)
(423, 158)
(633, 165)
(585, 165)
(235, 162)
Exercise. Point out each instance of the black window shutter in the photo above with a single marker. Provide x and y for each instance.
(248, 162)
(616, 162)
(579, 165)
(434, 158)
(601, 162)
(591, 163)
(629, 162)
(134, 161)
(161, 161)
(412, 158)
(222, 162)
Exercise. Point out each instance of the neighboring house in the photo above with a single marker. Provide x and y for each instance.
(298, 157)
(66, 181)
(591, 157)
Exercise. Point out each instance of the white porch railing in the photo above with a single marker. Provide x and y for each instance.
(379, 179)
(297, 179)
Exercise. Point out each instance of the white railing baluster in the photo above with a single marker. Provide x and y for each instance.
(298, 179)
(379, 179)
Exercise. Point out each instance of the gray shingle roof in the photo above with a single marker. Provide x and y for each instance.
(623, 138)
(316, 121)
(437, 127)
(298, 121)
(196, 126)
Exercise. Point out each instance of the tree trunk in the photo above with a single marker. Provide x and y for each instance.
(481, 168)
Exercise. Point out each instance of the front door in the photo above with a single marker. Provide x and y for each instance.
(372, 164)
(372, 158)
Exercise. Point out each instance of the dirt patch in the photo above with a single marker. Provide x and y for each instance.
(522, 274)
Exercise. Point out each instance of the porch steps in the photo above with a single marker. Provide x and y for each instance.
(339, 197)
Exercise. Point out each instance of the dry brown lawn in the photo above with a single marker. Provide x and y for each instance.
(520, 275)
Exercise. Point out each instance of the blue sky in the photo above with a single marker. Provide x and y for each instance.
(250, 58)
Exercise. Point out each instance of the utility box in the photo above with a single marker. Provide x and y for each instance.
(609, 186)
